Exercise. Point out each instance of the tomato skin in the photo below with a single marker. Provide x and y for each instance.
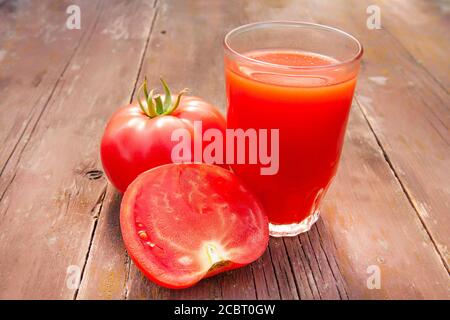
(133, 142)
(182, 209)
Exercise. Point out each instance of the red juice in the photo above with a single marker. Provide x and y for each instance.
(311, 112)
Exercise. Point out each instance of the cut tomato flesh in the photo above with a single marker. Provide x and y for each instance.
(184, 222)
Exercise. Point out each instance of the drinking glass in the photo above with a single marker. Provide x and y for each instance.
(295, 80)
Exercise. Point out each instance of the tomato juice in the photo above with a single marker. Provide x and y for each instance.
(309, 108)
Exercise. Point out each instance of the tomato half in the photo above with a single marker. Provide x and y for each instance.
(138, 136)
(184, 222)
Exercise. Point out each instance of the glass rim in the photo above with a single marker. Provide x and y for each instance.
(354, 57)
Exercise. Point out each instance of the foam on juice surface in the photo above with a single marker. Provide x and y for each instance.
(292, 58)
(289, 58)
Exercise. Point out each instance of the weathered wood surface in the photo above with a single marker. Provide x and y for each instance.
(421, 26)
(407, 108)
(389, 204)
(50, 204)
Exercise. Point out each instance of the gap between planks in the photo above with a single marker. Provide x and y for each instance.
(99, 203)
(407, 194)
(96, 210)
(414, 59)
(47, 101)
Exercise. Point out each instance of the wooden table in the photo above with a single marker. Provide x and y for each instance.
(388, 209)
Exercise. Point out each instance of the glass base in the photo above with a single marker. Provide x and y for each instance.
(293, 229)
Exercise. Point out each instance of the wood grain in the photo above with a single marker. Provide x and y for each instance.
(388, 206)
(35, 49)
(408, 110)
(373, 224)
(421, 26)
(49, 210)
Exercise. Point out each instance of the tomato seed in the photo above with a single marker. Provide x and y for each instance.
(143, 235)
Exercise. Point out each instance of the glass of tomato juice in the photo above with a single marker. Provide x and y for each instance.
(298, 78)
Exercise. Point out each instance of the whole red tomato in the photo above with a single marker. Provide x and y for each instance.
(138, 136)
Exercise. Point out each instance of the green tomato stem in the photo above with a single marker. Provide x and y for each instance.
(154, 105)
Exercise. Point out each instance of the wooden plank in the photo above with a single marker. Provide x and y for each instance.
(106, 281)
(409, 112)
(373, 224)
(32, 31)
(265, 280)
(108, 265)
(50, 208)
(421, 26)
(327, 277)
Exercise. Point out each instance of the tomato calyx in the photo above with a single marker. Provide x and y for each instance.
(154, 106)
